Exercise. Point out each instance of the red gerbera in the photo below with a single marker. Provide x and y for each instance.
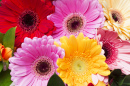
(30, 17)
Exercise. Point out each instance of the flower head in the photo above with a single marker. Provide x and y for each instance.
(75, 16)
(35, 62)
(117, 17)
(82, 59)
(30, 19)
(6, 53)
(115, 50)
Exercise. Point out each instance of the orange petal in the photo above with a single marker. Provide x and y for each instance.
(6, 53)
(1, 46)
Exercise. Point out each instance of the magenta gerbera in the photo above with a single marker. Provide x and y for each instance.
(75, 16)
(117, 51)
(35, 62)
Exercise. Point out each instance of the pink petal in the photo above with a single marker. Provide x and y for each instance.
(62, 6)
(101, 78)
(44, 83)
(125, 57)
(84, 6)
(93, 26)
(94, 79)
(26, 80)
(27, 40)
(93, 15)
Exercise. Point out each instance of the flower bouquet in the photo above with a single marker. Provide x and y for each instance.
(65, 43)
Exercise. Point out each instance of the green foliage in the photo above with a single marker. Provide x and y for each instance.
(114, 74)
(126, 80)
(114, 84)
(55, 80)
(119, 79)
(1, 66)
(5, 78)
(9, 38)
(1, 37)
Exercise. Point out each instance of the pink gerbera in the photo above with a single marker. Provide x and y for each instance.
(117, 51)
(35, 62)
(75, 16)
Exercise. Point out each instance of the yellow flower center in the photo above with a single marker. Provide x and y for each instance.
(79, 65)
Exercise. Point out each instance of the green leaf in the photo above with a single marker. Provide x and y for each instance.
(116, 72)
(127, 80)
(5, 78)
(9, 38)
(55, 80)
(1, 37)
(114, 75)
(114, 84)
(119, 80)
(1, 66)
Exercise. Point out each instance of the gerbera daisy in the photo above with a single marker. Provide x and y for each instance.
(75, 16)
(29, 16)
(117, 13)
(35, 62)
(82, 59)
(117, 51)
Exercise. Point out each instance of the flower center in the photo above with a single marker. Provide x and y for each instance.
(79, 65)
(28, 21)
(74, 22)
(43, 67)
(110, 52)
(117, 17)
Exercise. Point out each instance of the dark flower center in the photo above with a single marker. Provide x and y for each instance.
(28, 21)
(116, 16)
(107, 51)
(43, 68)
(110, 52)
(75, 23)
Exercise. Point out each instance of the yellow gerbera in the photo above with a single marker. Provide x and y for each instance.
(117, 13)
(82, 59)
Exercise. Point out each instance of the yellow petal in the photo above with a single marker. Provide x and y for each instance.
(64, 66)
(82, 45)
(104, 73)
(59, 61)
(100, 83)
(80, 37)
(67, 50)
(95, 50)
(55, 43)
(64, 39)
(73, 43)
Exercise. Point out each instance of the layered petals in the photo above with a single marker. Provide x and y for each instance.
(82, 59)
(115, 50)
(35, 62)
(30, 19)
(72, 17)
